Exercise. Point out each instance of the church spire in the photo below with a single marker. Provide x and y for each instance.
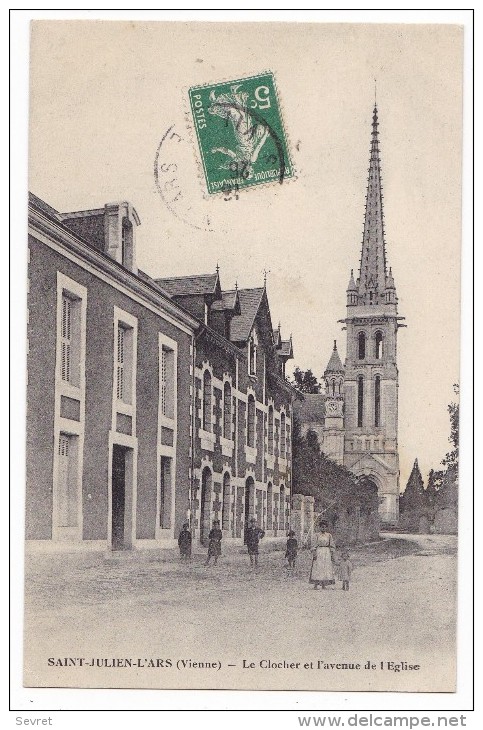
(372, 271)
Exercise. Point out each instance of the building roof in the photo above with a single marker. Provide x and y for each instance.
(311, 409)
(229, 302)
(185, 286)
(335, 363)
(241, 324)
(372, 271)
(43, 206)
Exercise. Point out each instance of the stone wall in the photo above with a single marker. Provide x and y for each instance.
(347, 526)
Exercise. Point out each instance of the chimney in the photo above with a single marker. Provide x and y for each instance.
(120, 223)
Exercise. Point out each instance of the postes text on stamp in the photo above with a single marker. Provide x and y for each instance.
(240, 133)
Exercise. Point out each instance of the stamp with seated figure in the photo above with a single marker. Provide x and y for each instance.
(240, 133)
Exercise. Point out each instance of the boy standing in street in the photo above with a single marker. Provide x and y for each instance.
(253, 536)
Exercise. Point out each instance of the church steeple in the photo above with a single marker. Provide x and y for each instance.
(370, 377)
(371, 284)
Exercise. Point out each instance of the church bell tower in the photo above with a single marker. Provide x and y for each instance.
(371, 374)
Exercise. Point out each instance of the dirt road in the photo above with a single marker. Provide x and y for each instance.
(251, 627)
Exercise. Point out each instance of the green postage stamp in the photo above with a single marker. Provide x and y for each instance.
(240, 133)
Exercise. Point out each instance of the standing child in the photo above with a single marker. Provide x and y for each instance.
(184, 542)
(291, 551)
(253, 536)
(345, 570)
(214, 545)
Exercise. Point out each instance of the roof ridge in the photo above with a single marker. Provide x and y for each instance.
(186, 276)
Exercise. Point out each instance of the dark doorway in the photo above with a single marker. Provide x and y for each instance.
(206, 480)
(118, 496)
(249, 499)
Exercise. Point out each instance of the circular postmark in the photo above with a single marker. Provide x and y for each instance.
(176, 179)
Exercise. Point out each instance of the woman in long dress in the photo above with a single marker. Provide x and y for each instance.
(322, 570)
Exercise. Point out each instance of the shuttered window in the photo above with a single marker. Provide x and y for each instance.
(227, 411)
(251, 421)
(163, 381)
(120, 376)
(207, 406)
(282, 436)
(270, 430)
(66, 339)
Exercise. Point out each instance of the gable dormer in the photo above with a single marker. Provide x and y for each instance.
(223, 310)
(195, 293)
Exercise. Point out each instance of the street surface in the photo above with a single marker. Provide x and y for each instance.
(147, 606)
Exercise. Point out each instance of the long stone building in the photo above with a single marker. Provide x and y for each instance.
(356, 419)
(149, 402)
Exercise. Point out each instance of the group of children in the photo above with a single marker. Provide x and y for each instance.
(253, 536)
(343, 565)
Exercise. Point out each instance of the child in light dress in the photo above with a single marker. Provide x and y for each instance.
(345, 568)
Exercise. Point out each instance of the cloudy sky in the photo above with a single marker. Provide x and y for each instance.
(104, 95)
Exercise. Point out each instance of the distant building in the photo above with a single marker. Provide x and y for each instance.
(148, 403)
(356, 419)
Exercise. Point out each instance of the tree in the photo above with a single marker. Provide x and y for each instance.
(435, 480)
(413, 497)
(333, 486)
(451, 458)
(305, 381)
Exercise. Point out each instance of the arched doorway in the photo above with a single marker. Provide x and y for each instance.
(205, 506)
(282, 508)
(249, 501)
(225, 513)
(270, 506)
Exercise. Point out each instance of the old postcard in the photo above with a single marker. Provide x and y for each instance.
(243, 356)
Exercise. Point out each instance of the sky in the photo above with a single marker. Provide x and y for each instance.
(107, 97)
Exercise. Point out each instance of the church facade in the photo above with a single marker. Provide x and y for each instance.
(356, 419)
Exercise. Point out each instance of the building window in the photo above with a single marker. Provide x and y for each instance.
(227, 426)
(282, 436)
(70, 340)
(360, 400)
(124, 361)
(362, 345)
(378, 346)
(252, 354)
(270, 430)
(120, 389)
(165, 492)
(225, 515)
(65, 338)
(166, 381)
(377, 401)
(207, 401)
(251, 421)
